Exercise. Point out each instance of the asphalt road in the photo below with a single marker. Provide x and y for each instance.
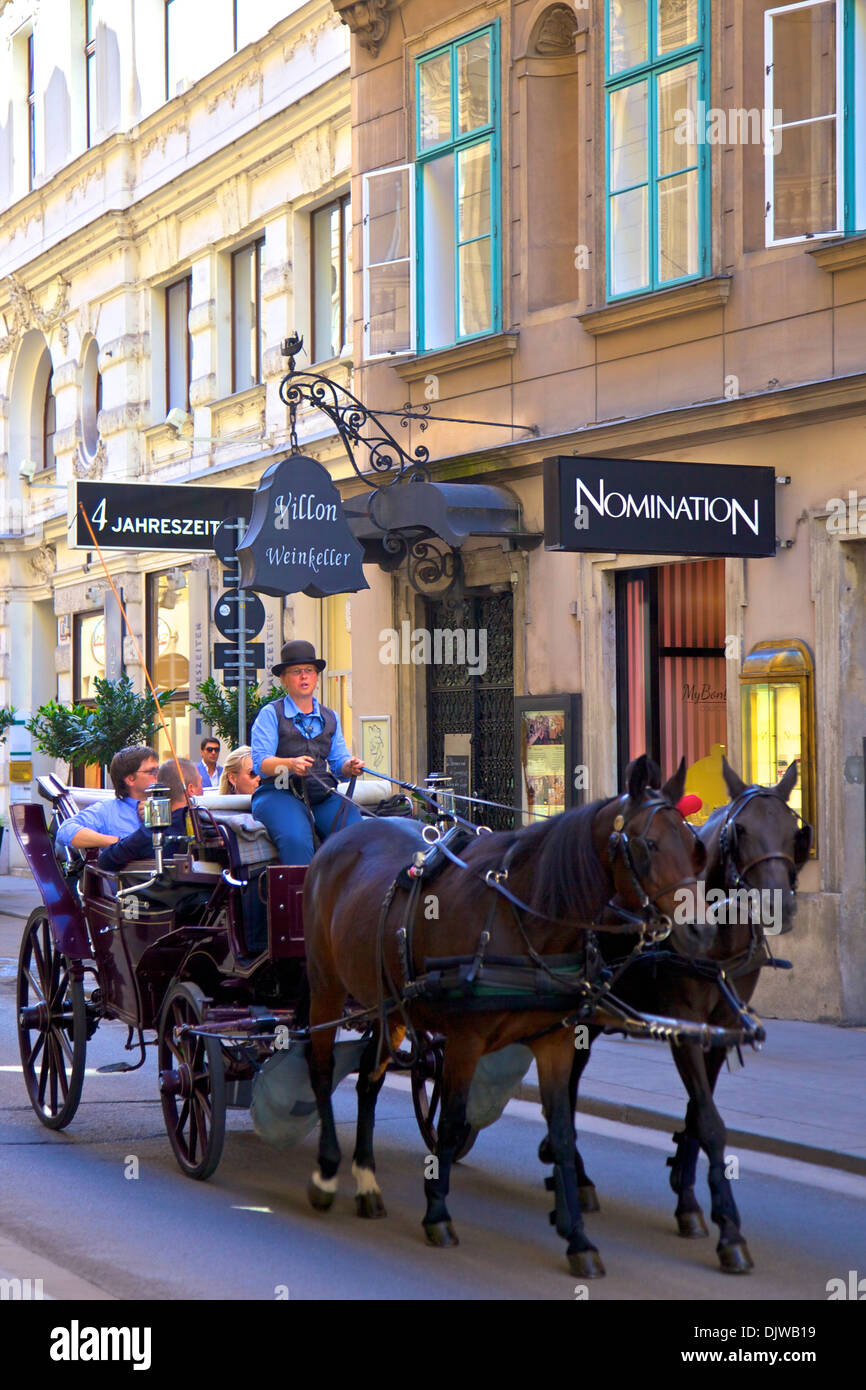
(71, 1216)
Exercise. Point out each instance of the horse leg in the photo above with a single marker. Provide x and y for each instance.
(555, 1068)
(457, 1073)
(368, 1197)
(586, 1192)
(732, 1250)
(683, 1164)
(322, 1188)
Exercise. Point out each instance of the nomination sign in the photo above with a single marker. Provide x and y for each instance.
(149, 516)
(298, 539)
(645, 508)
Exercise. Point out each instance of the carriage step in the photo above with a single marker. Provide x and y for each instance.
(117, 1066)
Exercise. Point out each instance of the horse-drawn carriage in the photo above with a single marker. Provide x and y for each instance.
(166, 953)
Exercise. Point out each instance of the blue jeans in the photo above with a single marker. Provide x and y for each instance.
(285, 818)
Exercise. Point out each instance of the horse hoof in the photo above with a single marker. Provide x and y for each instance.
(735, 1259)
(586, 1264)
(370, 1205)
(320, 1200)
(691, 1225)
(588, 1198)
(440, 1234)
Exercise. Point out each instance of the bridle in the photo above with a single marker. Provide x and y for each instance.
(619, 844)
(728, 841)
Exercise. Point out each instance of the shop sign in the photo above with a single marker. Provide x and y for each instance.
(154, 516)
(298, 539)
(640, 507)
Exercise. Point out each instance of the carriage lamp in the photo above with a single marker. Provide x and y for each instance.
(156, 812)
(441, 790)
(777, 701)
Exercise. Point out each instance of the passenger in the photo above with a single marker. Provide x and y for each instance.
(132, 772)
(293, 739)
(139, 845)
(238, 778)
(208, 768)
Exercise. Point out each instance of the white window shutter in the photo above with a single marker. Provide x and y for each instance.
(388, 218)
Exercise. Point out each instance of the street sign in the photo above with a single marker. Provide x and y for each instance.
(153, 516)
(226, 615)
(226, 539)
(227, 657)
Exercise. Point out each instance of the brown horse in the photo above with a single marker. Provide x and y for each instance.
(753, 844)
(568, 872)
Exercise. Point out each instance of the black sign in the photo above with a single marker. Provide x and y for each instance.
(150, 516)
(226, 615)
(298, 539)
(639, 507)
(226, 656)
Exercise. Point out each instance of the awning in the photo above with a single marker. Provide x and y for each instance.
(415, 509)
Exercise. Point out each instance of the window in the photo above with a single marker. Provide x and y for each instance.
(454, 183)
(337, 644)
(89, 70)
(332, 280)
(247, 316)
(657, 170)
(804, 162)
(776, 687)
(49, 424)
(31, 115)
(177, 344)
(168, 648)
(88, 661)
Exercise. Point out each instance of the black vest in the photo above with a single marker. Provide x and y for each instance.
(291, 743)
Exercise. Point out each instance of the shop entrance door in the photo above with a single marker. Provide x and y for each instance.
(470, 718)
(671, 683)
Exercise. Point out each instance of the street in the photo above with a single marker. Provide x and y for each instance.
(69, 1214)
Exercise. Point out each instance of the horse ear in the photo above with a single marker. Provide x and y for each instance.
(802, 843)
(788, 782)
(638, 777)
(735, 785)
(674, 788)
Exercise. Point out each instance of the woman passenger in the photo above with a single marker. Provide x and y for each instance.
(238, 778)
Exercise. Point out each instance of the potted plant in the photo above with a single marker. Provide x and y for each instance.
(79, 734)
(218, 707)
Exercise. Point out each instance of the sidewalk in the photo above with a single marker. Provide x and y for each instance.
(803, 1096)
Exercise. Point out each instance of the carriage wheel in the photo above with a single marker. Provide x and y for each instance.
(52, 1025)
(427, 1093)
(192, 1083)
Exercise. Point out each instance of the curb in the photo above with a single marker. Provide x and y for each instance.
(744, 1139)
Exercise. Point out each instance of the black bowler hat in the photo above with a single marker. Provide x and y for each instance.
(298, 654)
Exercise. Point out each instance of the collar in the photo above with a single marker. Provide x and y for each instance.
(290, 709)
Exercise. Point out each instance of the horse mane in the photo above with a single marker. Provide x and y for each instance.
(569, 880)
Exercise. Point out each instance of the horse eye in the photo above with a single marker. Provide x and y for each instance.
(652, 844)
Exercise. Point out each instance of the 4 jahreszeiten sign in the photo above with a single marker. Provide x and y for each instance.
(147, 516)
(648, 507)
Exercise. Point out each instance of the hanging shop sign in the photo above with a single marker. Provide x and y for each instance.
(153, 516)
(298, 539)
(648, 507)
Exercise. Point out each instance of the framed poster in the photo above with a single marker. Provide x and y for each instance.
(458, 766)
(376, 743)
(547, 750)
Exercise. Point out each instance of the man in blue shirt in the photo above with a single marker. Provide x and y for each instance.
(132, 772)
(139, 845)
(209, 768)
(293, 739)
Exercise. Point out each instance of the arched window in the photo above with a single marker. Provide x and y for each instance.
(49, 424)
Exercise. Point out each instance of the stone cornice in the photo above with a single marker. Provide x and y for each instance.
(845, 254)
(710, 293)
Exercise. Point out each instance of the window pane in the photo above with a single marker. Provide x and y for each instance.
(390, 317)
(90, 654)
(177, 340)
(628, 136)
(476, 298)
(677, 23)
(439, 252)
(327, 309)
(629, 244)
(678, 226)
(473, 192)
(245, 319)
(804, 181)
(49, 423)
(473, 84)
(677, 94)
(347, 275)
(388, 216)
(804, 63)
(627, 27)
(434, 78)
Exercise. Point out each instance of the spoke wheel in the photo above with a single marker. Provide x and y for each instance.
(427, 1095)
(52, 1025)
(192, 1083)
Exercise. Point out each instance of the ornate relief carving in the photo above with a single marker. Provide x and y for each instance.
(42, 563)
(554, 33)
(26, 313)
(89, 470)
(180, 127)
(230, 94)
(368, 20)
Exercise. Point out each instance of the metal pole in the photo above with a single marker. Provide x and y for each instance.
(242, 649)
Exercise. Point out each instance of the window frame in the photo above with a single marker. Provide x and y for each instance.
(257, 246)
(844, 143)
(89, 74)
(342, 202)
(649, 70)
(187, 281)
(410, 259)
(30, 51)
(491, 132)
